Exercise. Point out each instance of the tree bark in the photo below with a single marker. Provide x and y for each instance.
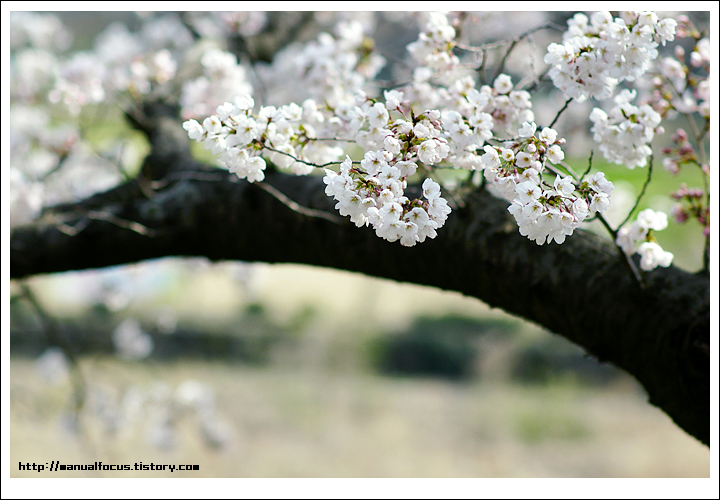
(581, 289)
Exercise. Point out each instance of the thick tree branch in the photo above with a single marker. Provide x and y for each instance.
(580, 289)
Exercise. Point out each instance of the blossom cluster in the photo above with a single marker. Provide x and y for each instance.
(458, 132)
(682, 153)
(240, 137)
(157, 410)
(38, 30)
(32, 74)
(121, 61)
(472, 116)
(79, 83)
(226, 24)
(625, 133)
(638, 238)
(443, 117)
(433, 48)
(680, 85)
(507, 107)
(331, 69)
(373, 194)
(222, 79)
(137, 62)
(51, 161)
(599, 52)
(542, 212)
(676, 88)
(691, 204)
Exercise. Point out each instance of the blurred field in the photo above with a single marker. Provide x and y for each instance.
(312, 404)
(305, 423)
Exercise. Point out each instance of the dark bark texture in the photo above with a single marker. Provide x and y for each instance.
(582, 289)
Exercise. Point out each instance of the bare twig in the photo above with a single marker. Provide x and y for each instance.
(567, 103)
(501, 66)
(55, 337)
(632, 268)
(482, 49)
(72, 230)
(567, 167)
(292, 205)
(127, 224)
(587, 171)
(306, 162)
(642, 192)
(500, 43)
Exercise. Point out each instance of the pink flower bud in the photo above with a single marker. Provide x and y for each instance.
(670, 165)
(679, 136)
(678, 213)
(686, 149)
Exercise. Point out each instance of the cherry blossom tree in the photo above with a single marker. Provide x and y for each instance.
(431, 170)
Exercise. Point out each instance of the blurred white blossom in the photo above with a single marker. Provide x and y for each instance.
(53, 366)
(131, 341)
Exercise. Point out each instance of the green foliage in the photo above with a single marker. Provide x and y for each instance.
(443, 347)
(554, 360)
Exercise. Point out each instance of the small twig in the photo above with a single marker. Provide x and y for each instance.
(642, 192)
(118, 163)
(493, 45)
(570, 170)
(631, 267)
(481, 69)
(306, 162)
(127, 224)
(624, 257)
(336, 139)
(72, 230)
(613, 232)
(536, 81)
(55, 337)
(587, 171)
(60, 163)
(501, 66)
(292, 205)
(557, 171)
(560, 112)
(500, 43)
(699, 136)
(456, 197)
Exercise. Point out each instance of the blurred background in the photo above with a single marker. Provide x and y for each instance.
(252, 370)
(256, 370)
